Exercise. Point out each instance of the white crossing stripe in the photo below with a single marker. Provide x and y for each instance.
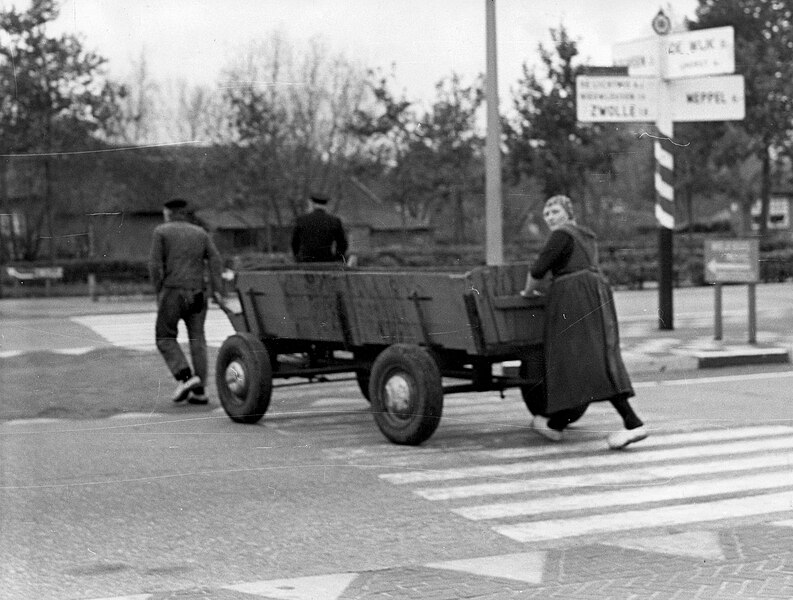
(669, 480)
(654, 441)
(592, 461)
(665, 516)
(631, 495)
(136, 330)
(608, 478)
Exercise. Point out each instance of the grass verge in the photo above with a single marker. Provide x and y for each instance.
(98, 384)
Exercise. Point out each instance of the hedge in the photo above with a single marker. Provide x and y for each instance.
(628, 264)
(77, 270)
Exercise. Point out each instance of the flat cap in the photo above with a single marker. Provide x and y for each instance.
(319, 199)
(176, 204)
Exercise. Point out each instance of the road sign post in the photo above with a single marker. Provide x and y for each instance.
(666, 84)
(733, 261)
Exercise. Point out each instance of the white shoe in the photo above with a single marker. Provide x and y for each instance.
(540, 425)
(625, 437)
(185, 387)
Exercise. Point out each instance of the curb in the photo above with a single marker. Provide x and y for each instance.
(741, 355)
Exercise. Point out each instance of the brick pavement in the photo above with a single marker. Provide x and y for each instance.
(757, 563)
(731, 558)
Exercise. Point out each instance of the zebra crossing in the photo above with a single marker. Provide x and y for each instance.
(136, 330)
(551, 493)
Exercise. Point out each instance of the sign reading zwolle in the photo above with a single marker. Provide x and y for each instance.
(626, 99)
(686, 54)
(732, 261)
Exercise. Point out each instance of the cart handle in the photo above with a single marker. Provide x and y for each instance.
(517, 301)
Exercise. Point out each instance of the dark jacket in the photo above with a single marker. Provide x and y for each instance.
(180, 253)
(318, 237)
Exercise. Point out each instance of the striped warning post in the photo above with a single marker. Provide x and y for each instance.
(664, 182)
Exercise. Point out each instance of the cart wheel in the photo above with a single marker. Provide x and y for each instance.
(406, 392)
(244, 378)
(363, 377)
(534, 396)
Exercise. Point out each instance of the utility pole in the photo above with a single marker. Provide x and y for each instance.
(494, 250)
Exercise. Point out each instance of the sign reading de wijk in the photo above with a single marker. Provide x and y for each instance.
(701, 52)
(626, 99)
(732, 261)
(686, 54)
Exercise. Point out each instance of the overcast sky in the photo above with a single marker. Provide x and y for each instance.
(425, 39)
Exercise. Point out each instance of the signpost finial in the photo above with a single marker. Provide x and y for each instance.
(662, 24)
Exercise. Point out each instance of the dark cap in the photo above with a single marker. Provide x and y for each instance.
(176, 204)
(319, 199)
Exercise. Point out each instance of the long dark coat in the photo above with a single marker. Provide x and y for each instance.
(583, 361)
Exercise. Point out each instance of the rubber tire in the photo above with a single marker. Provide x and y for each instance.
(414, 370)
(363, 376)
(248, 404)
(534, 397)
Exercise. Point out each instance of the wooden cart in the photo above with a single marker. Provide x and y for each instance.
(408, 336)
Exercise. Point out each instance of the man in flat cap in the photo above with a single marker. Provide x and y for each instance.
(180, 254)
(318, 236)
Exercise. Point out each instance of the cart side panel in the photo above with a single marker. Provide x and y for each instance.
(264, 305)
(311, 299)
(507, 319)
(292, 304)
(409, 307)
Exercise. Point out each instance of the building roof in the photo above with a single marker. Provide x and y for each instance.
(232, 218)
(360, 206)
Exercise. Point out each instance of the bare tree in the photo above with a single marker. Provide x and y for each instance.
(289, 110)
(138, 107)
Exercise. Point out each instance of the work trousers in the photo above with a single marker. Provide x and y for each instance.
(190, 306)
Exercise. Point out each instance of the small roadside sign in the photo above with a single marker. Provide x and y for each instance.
(732, 261)
(701, 52)
(31, 273)
(616, 99)
(708, 98)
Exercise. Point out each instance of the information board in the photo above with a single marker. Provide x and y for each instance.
(616, 99)
(732, 261)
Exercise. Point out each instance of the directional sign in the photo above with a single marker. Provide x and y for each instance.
(685, 54)
(708, 99)
(640, 56)
(701, 52)
(732, 261)
(616, 99)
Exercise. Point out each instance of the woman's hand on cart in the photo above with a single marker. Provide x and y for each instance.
(530, 293)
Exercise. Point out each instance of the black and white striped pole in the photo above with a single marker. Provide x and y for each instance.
(665, 216)
(664, 184)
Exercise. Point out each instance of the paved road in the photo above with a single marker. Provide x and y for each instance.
(312, 502)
